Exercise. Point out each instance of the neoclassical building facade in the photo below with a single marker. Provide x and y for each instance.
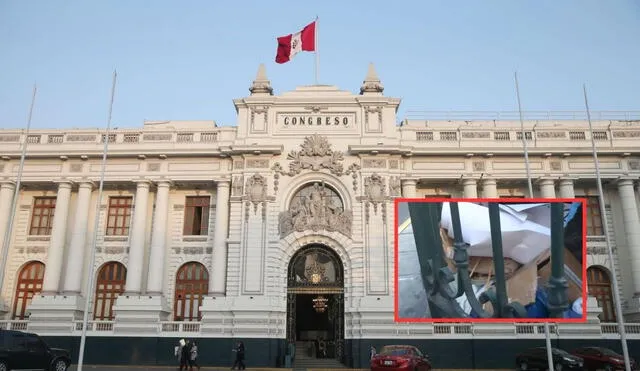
(280, 228)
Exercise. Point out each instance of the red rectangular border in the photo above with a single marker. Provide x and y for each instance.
(396, 316)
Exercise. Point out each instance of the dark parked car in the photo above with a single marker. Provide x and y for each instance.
(536, 359)
(22, 350)
(400, 358)
(596, 358)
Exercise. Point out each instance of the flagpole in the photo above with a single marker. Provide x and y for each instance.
(89, 283)
(614, 279)
(547, 334)
(16, 192)
(317, 62)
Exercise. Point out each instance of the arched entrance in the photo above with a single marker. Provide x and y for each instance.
(315, 302)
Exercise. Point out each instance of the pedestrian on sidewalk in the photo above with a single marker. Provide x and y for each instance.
(193, 356)
(185, 354)
(239, 362)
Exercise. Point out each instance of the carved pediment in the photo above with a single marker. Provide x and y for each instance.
(316, 154)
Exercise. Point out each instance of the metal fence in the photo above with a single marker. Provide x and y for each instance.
(437, 277)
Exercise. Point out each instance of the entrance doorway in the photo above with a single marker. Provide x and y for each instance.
(315, 303)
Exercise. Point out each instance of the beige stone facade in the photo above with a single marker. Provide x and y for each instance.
(352, 145)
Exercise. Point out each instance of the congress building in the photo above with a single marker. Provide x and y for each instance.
(279, 230)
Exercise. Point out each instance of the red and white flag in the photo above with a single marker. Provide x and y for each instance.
(290, 45)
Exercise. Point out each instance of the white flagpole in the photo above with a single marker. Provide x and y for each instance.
(16, 193)
(89, 284)
(614, 279)
(317, 63)
(547, 334)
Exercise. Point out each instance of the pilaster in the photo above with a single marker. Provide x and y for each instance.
(55, 253)
(469, 188)
(632, 232)
(489, 188)
(566, 187)
(6, 197)
(137, 238)
(75, 259)
(547, 187)
(409, 188)
(218, 278)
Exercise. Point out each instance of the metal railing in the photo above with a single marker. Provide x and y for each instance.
(437, 276)
(527, 115)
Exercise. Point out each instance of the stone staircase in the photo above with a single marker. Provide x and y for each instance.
(303, 361)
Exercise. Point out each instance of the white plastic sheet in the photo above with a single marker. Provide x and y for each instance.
(412, 298)
(522, 239)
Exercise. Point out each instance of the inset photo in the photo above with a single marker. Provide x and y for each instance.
(474, 260)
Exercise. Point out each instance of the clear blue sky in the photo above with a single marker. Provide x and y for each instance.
(188, 59)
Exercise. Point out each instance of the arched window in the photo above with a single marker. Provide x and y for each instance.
(29, 284)
(599, 285)
(110, 284)
(192, 284)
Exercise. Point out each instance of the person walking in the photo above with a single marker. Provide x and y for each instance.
(185, 354)
(239, 362)
(193, 356)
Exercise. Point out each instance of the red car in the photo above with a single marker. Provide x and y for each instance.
(400, 358)
(596, 358)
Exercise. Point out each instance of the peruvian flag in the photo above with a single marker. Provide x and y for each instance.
(290, 45)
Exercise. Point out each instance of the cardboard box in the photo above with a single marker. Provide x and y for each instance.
(574, 291)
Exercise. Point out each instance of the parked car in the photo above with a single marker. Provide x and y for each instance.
(536, 359)
(400, 358)
(597, 358)
(25, 351)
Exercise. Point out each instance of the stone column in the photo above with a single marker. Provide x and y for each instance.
(489, 188)
(75, 258)
(470, 188)
(137, 239)
(155, 278)
(218, 278)
(55, 253)
(409, 188)
(631, 223)
(6, 198)
(566, 188)
(547, 188)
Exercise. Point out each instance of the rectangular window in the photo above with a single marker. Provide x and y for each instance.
(437, 196)
(594, 218)
(119, 215)
(42, 216)
(196, 215)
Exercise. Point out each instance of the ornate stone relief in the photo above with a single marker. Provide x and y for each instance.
(626, 134)
(556, 165)
(256, 194)
(237, 186)
(315, 210)
(395, 189)
(238, 164)
(374, 163)
(478, 166)
(375, 194)
(258, 164)
(370, 109)
(257, 110)
(634, 165)
(315, 154)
